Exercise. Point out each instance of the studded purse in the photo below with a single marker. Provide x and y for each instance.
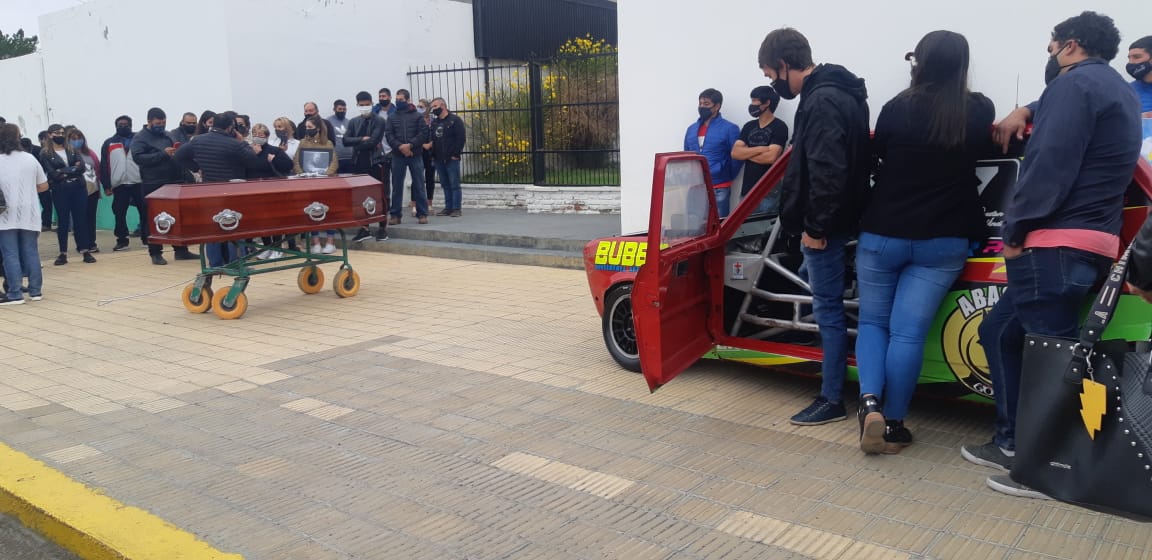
(1084, 419)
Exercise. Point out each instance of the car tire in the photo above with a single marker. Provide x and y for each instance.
(618, 328)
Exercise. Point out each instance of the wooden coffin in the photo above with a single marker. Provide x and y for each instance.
(212, 212)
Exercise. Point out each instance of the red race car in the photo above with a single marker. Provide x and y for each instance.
(696, 285)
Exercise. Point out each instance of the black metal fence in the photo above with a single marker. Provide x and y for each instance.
(551, 122)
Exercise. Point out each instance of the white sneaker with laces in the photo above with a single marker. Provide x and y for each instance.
(263, 254)
(329, 249)
(316, 249)
(275, 255)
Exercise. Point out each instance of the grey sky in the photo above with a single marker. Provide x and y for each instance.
(25, 14)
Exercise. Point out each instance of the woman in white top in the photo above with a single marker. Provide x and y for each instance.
(285, 137)
(22, 178)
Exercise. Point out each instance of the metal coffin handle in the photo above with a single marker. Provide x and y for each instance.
(317, 211)
(164, 222)
(228, 219)
(370, 205)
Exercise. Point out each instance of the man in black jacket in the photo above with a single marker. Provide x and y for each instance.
(221, 156)
(152, 149)
(364, 135)
(310, 110)
(448, 138)
(407, 133)
(822, 192)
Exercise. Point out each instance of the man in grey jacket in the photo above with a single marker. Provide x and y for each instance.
(407, 133)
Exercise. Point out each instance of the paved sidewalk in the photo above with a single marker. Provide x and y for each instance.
(468, 410)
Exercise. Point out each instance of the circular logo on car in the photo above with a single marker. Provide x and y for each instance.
(960, 338)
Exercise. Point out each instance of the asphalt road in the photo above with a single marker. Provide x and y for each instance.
(20, 543)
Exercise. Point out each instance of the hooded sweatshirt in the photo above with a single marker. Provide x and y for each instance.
(827, 181)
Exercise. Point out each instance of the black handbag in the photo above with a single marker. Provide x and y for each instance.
(1084, 419)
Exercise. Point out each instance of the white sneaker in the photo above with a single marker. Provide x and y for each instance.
(264, 255)
(275, 254)
(329, 249)
(316, 249)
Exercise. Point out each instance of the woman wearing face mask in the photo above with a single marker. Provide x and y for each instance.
(79, 144)
(279, 163)
(316, 154)
(65, 170)
(916, 230)
(205, 122)
(285, 136)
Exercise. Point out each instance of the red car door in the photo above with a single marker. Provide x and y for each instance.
(676, 291)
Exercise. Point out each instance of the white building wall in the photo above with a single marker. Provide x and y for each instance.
(105, 58)
(22, 95)
(668, 54)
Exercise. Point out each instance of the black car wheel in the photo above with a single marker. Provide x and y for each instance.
(619, 330)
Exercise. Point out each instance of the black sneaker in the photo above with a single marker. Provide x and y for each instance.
(5, 301)
(381, 236)
(121, 246)
(186, 255)
(445, 212)
(821, 411)
(62, 259)
(135, 233)
(896, 437)
(88, 258)
(988, 455)
(871, 425)
(94, 249)
(158, 260)
(1004, 484)
(362, 235)
(456, 214)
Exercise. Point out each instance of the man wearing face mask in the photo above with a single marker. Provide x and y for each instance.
(406, 132)
(1140, 68)
(339, 125)
(364, 135)
(152, 150)
(762, 140)
(385, 105)
(311, 109)
(713, 137)
(243, 126)
(822, 193)
(1062, 219)
(187, 129)
(121, 178)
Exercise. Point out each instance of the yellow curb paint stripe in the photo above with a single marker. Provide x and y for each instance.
(91, 525)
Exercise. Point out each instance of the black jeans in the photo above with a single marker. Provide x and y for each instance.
(429, 176)
(70, 200)
(145, 190)
(93, 207)
(123, 197)
(46, 210)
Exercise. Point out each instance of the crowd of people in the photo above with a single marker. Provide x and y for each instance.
(385, 139)
(906, 194)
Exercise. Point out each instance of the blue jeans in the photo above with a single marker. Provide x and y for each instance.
(826, 276)
(220, 254)
(21, 257)
(1045, 293)
(415, 165)
(722, 201)
(71, 201)
(902, 282)
(449, 172)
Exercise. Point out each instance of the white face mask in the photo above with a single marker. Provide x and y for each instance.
(365, 109)
(258, 141)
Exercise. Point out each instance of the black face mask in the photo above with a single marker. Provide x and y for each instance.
(340, 115)
(385, 102)
(705, 112)
(124, 131)
(242, 129)
(780, 84)
(282, 134)
(754, 110)
(1139, 70)
(438, 111)
(188, 128)
(58, 140)
(1053, 68)
(311, 132)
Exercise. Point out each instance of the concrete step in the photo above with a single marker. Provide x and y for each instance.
(417, 232)
(475, 252)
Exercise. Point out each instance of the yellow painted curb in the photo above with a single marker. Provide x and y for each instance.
(89, 524)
